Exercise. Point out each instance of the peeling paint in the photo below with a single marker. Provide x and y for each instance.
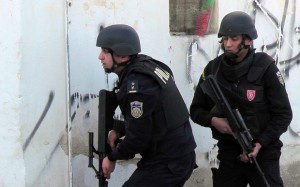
(99, 2)
(86, 6)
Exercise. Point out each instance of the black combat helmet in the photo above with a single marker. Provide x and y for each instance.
(122, 39)
(237, 22)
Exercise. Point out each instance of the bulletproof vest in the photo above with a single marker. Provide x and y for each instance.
(248, 95)
(175, 110)
(261, 62)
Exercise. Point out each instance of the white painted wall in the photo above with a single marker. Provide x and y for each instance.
(12, 172)
(151, 20)
(43, 88)
(34, 74)
(37, 101)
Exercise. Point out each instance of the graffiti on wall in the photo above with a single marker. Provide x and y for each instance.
(200, 18)
(84, 119)
(39, 122)
(35, 132)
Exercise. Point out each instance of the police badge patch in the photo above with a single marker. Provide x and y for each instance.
(136, 109)
(250, 95)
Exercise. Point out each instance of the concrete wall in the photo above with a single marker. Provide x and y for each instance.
(51, 77)
(43, 88)
(34, 93)
(187, 55)
(11, 156)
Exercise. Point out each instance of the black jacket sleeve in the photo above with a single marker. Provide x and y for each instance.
(280, 109)
(201, 104)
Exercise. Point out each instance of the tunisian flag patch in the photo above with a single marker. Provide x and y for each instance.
(250, 95)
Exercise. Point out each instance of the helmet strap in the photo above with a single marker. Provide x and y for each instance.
(115, 65)
(241, 46)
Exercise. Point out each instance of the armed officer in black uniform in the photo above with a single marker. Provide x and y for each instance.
(252, 83)
(157, 119)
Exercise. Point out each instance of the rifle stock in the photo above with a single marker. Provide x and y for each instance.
(235, 119)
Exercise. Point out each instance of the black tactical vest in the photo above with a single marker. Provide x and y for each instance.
(248, 94)
(175, 110)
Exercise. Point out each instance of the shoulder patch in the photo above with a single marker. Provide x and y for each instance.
(136, 109)
(162, 74)
(132, 86)
(280, 78)
(203, 75)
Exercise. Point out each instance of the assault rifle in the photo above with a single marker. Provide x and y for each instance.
(107, 106)
(235, 119)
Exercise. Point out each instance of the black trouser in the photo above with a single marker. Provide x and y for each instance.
(174, 173)
(234, 173)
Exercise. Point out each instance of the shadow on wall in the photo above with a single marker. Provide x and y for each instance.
(84, 119)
